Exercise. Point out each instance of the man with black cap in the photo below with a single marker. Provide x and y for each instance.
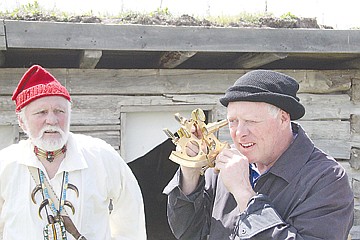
(272, 183)
(59, 185)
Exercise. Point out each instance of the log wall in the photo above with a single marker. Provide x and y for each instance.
(100, 97)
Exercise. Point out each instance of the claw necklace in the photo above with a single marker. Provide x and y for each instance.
(55, 229)
(49, 155)
(64, 186)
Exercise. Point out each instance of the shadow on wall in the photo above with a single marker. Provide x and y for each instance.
(153, 171)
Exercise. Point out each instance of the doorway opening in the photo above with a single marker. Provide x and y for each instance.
(153, 171)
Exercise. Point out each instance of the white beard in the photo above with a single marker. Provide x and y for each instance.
(50, 144)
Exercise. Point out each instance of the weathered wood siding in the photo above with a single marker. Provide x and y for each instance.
(102, 97)
(98, 95)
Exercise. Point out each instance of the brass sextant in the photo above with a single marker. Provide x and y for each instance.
(209, 146)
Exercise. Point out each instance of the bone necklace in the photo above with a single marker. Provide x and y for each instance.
(49, 155)
(55, 230)
(65, 182)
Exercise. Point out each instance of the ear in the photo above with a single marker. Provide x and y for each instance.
(21, 122)
(285, 117)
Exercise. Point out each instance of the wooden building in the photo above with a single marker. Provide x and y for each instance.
(127, 81)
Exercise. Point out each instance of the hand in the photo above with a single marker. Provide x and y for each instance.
(190, 176)
(233, 168)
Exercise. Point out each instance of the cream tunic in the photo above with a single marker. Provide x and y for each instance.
(99, 173)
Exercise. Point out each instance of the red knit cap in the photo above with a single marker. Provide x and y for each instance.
(37, 83)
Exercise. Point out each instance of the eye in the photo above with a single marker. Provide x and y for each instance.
(233, 122)
(59, 111)
(42, 112)
(251, 121)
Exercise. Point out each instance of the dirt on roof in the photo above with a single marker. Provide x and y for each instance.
(170, 20)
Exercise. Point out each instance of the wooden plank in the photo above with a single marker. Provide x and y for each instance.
(256, 60)
(313, 81)
(10, 77)
(173, 81)
(174, 59)
(149, 81)
(7, 111)
(355, 130)
(98, 110)
(327, 130)
(94, 116)
(27, 34)
(8, 117)
(2, 36)
(105, 109)
(162, 108)
(110, 134)
(355, 140)
(330, 107)
(355, 93)
(89, 128)
(9, 135)
(89, 58)
(335, 148)
(195, 98)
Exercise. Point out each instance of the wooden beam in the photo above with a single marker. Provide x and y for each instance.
(255, 60)
(29, 34)
(105, 109)
(2, 36)
(174, 59)
(108, 133)
(355, 130)
(177, 81)
(89, 58)
(355, 90)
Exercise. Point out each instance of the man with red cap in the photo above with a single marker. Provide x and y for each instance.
(272, 183)
(60, 185)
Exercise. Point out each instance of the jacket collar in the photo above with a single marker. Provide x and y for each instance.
(295, 157)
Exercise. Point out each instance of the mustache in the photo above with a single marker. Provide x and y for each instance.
(51, 129)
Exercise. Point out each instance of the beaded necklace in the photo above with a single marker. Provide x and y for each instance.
(49, 155)
(46, 195)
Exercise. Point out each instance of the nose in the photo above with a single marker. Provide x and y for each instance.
(242, 130)
(51, 118)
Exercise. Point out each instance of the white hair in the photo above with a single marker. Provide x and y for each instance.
(273, 110)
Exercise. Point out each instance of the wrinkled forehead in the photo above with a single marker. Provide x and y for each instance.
(49, 102)
(249, 105)
(250, 109)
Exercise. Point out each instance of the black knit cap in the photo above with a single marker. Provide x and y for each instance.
(267, 86)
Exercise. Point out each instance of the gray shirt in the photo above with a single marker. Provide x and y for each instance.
(305, 195)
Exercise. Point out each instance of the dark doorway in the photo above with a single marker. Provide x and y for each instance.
(153, 171)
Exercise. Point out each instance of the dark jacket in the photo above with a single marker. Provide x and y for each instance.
(305, 195)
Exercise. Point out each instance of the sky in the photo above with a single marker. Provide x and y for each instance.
(338, 14)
